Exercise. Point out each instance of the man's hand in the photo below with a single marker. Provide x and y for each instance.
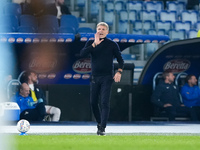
(97, 40)
(117, 77)
(167, 105)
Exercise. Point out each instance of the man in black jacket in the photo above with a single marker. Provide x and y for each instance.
(102, 51)
(57, 9)
(166, 96)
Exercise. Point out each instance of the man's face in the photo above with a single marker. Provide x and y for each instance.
(25, 90)
(193, 81)
(102, 30)
(33, 77)
(171, 77)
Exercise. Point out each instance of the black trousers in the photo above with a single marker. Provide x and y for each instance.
(36, 114)
(100, 88)
(173, 112)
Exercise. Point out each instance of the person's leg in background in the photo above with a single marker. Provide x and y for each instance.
(54, 111)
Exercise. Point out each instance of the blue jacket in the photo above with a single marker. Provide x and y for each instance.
(23, 102)
(190, 95)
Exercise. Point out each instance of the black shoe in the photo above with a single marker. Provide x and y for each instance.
(98, 129)
(102, 132)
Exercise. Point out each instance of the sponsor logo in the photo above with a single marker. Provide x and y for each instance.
(139, 41)
(92, 38)
(155, 41)
(83, 39)
(39, 65)
(28, 40)
(68, 40)
(162, 41)
(44, 40)
(19, 40)
(36, 40)
(147, 41)
(116, 39)
(42, 76)
(3, 39)
(85, 76)
(131, 40)
(177, 65)
(51, 76)
(68, 76)
(123, 40)
(82, 66)
(61, 40)
(76, 76)
(52, 40)
(11, 40)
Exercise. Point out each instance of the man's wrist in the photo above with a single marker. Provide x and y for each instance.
(119, 71)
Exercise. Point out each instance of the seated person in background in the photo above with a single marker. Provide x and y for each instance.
(166, 97)
(30, 77)
(29, 110)
(190, 93)
(57, 9)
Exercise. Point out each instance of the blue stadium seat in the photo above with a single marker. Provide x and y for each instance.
(189, 16)
(10, 20)
(137, 31)
(80, 3)
(132, 15)
(137, 24)
(153, 5)
(150, 49)
(46, 29)
(12, 9)
(147, 25)
(50, 22)
(118, 6)
(192, 33)
(123, 15)
(26, 29)
(94, 8)
(166, 25)
(69, 21)
(161, 32)
(134, 5)
(123, 27)
(66, 30)
(28, 20)
(85, 30)
(177, 34)
(176, 6)
(151, 32)
(109, 17)
(148, 15)
(197, 25)
(109, 6)
(168, 16)
(182, 25)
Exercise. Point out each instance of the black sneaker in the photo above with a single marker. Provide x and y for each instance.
(102, 132)
(98, 129)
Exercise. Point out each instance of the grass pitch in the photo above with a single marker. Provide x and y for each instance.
(109, 142)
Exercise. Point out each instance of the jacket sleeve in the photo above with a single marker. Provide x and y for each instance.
(155, 98)
(117, 54)
(87, 49)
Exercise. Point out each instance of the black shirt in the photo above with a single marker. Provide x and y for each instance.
(102, 56)
(166, 93)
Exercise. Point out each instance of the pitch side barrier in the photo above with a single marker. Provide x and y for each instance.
(64, 75)
(181, 56)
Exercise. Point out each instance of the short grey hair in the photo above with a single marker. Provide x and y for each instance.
(103, 24)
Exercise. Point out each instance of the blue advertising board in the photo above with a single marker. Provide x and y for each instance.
(178, 56)
(55, 57)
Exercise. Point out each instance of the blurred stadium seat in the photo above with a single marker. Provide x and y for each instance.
(69, 21)
(153, 5)
(10, 21)
(192, 33)
(85, 30)
(148, 15)
(182, 25)
(168, 16)
(189, 16)
(12, 9)
(28, 21)
(26, 29)
(177, 34)
(67, 30)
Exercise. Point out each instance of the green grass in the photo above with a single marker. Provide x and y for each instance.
(109, 142)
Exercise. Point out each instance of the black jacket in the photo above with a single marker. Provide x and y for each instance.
(102, 57)
(166, 93)
(39, 93)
